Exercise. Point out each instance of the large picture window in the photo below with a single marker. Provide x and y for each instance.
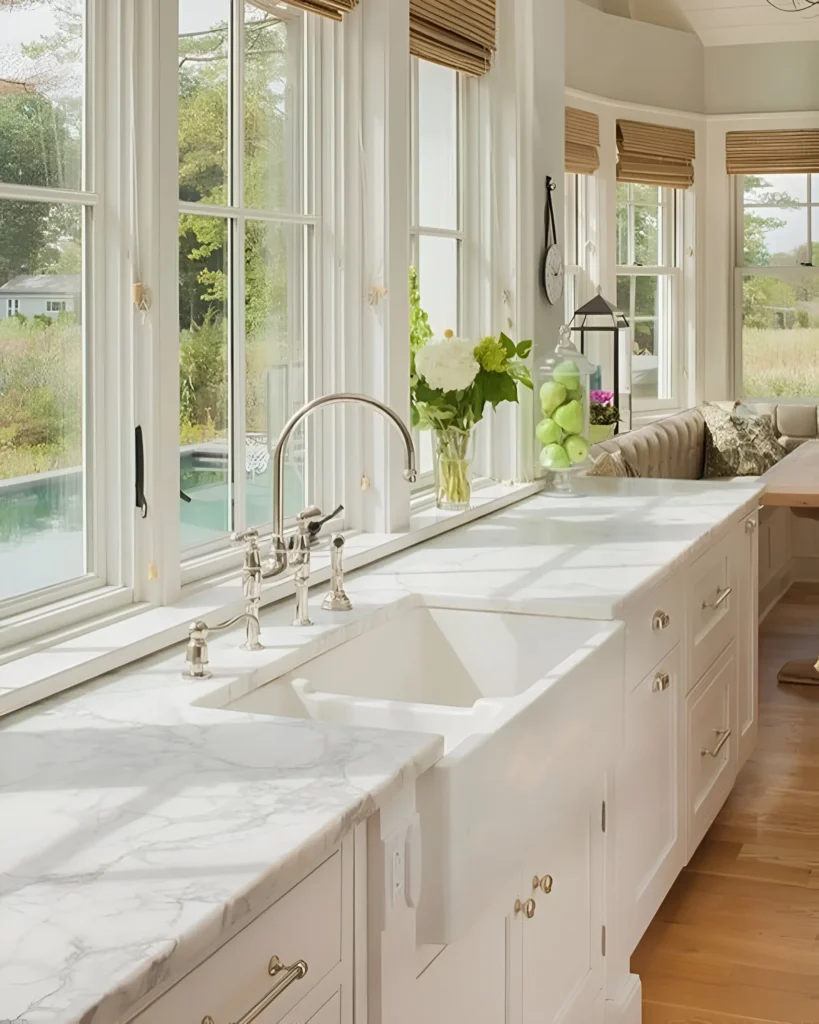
(778, 284)
(51, 531)
(247, 282)
(648, 284)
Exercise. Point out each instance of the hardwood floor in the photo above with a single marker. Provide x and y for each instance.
(737, 939)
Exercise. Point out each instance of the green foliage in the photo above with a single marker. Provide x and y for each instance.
(420, 331)
(780, 363)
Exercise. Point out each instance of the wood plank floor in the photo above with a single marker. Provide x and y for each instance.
(737, 939)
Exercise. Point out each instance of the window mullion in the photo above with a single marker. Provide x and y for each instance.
(236, 264)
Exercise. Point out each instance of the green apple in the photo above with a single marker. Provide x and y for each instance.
(570, 417)
(577, 448)
(554, 456)
(567, 374)
(575, 395)
(548, 432)
(552, 395)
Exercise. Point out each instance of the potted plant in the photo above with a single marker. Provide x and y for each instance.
(451, 382)
(603, 416)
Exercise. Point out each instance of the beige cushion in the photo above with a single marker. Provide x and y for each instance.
(795, 421)
(673, 448)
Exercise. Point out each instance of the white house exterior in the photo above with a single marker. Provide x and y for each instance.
(40, 294)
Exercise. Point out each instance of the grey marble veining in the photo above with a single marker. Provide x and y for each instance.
(140, 824)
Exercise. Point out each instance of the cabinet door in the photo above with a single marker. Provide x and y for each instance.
(648, 833)
(747, 638)
(467, 981)
(563, 967)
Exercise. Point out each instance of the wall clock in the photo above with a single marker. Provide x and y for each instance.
(552, 270)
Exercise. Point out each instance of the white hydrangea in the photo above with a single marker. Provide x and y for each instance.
(447, 364)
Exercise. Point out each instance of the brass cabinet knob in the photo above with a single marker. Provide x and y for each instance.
(527, 909)
(661, 683)
(545, 883)
(660, 620)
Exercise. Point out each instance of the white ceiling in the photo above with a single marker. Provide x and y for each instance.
(730, 22)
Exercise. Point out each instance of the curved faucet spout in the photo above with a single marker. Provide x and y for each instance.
(278, 553)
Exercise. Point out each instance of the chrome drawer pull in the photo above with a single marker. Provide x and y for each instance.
(722, 596)
(661, 683)
(294, 973)
(750, 525)
(723, 735)
(660, 620)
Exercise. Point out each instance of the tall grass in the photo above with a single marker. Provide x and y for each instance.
(40, 395)
(781, 363)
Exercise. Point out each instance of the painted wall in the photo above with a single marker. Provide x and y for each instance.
(632, 61)
(762, 78)
(33, 305)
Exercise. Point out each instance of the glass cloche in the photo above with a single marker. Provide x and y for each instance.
(562, 386)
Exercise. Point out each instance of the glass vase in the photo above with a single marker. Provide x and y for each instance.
(453, 451)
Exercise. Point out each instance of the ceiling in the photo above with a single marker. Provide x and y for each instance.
(731, 22)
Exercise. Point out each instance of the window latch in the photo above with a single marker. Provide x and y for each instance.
(139, 467)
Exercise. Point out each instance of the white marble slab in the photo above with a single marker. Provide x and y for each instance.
(138, 827)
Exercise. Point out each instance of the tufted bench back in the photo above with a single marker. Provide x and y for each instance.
(674, 448)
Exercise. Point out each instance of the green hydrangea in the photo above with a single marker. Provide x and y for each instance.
(492, 355)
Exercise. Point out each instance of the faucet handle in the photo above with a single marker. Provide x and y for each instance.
(249, 536)
(311, 512)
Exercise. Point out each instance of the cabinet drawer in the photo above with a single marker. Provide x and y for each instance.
(305, 924)
(712, 606)
(653, 627)
(711, 745)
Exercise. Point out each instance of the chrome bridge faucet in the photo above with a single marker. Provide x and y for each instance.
(297, 554)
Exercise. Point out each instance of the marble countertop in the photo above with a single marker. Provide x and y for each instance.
(139, 825)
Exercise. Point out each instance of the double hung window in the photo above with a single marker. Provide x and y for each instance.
(777, 290)
(648, 287)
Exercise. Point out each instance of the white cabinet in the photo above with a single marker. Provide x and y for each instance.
(712, 605)
(650, 848)
(563, 967)
(541, 963)
(747, 638)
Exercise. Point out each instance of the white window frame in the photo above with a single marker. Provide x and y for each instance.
(783, 272)
(108, 397)
(203, 560)
(669, 307)
(12, 305)
(580, 231)
(55, 306)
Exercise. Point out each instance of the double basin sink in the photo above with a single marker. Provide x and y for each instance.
(512, 695)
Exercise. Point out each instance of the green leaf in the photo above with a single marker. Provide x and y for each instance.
(498, 387)
(508, 345)
(523, 349)
(521, 374)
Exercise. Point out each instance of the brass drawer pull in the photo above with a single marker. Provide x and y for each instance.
(723, 735)
(544, 883)
(527, 909)
(722, 595)
(660, 620)
(293, 973)
(661, 683)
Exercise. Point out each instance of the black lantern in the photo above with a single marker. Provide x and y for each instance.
(599, 316)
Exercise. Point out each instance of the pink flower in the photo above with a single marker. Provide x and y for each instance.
(601, 397)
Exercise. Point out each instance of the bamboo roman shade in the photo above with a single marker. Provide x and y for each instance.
(582, 141)
(460, 34)
(327, 8)
(654, 154)
(772, 152)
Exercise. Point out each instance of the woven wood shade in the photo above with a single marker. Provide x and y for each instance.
(326, 8)
(654, 154)
(582, 141)
(460, 34)
(772, 152)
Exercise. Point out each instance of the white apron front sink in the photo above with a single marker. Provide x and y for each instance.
(500, 688)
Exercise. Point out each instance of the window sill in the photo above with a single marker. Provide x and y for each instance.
(109, 644)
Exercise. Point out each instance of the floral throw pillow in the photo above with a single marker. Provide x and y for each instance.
(612, 464)
(739, 443)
